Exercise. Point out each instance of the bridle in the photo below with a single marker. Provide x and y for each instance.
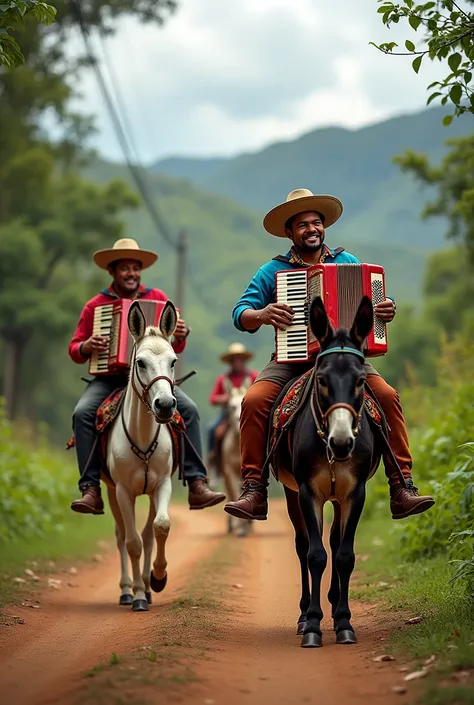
(321, 418)
(143, 455)
(144, 398)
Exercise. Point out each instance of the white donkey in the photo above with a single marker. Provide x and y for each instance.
(230, 454)
(140, 456)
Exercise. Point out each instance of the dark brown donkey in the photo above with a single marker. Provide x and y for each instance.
(333, 453)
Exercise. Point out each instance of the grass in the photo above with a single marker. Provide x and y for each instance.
(420, 589)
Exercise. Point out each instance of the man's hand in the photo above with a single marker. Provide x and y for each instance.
(95, 344)
(181, 330)
(385, 310)
(276, 315)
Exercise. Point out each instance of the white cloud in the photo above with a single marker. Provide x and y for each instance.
(221, 77)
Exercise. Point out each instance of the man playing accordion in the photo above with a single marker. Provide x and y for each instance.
(125, 262)
(303, 219)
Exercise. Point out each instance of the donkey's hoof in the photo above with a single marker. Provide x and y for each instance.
(158, 585)
(148, 597)
(140, 606)
(126, 600)
(300, 627)
(346, 636)
(311, 640)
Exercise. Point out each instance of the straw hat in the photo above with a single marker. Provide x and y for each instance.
(236, 350)
(299, 201)
(125, 248)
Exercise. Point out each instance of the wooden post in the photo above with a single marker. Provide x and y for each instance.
(180, 286)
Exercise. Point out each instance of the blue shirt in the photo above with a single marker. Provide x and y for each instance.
(261, 290)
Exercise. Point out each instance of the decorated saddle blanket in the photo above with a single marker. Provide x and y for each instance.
(287, 408)
(108, 412)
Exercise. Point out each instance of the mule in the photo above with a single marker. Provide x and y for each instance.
(332, 455)
(230, 458)
(139, 457)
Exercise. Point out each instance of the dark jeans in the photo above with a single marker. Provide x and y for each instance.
(88, 457)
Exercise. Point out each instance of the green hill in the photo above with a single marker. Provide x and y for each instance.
(381, 204)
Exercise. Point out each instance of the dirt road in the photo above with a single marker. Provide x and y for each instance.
(255, 655)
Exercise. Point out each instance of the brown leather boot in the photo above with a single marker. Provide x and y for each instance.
(252, 503)
(200, 496)
(405, 501)
(91, 501)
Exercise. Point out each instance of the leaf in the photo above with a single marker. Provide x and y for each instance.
(415, 676)
(414, 22)
(447, 120)
(417, 63)
(432, 97)
(456, 93)
(409, 45)
(454, 61)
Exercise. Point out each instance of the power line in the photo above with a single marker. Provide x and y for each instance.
(135, 171)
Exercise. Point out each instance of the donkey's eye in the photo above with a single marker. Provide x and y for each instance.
(322, 382)
(360, 382)
(141, 364)
(173, 364)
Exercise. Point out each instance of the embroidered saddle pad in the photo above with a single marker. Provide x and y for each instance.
(108, 412)
(290, 402)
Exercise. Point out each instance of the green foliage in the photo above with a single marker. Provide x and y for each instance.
(12, 17)
(453, 180)
(448, 36)
(35, 484)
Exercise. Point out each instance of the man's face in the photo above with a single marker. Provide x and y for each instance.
(307, 232)
(126, 275)
(237, 364)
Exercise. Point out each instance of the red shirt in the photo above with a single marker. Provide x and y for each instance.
(236, 381)
(86, 320)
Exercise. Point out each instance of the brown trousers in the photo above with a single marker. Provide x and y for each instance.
(261, 396)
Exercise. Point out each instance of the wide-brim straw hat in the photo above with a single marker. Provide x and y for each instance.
(236, 350)
(125, 248)
(299, 201)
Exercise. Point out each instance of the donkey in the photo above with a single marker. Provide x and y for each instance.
(140, 456)
(333, 453)
(230, 455)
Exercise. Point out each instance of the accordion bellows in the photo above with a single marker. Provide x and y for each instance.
(341, 287)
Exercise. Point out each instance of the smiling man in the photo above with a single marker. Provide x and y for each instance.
(125, 262)
(303, 219)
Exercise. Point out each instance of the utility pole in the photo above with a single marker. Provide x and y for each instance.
(180, 288)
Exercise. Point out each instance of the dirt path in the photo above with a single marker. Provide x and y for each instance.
(77, 626)
(255, 655)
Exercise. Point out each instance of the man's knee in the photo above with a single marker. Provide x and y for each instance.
(84, 412)
(260, 397)
(187, 407)
(386, 394)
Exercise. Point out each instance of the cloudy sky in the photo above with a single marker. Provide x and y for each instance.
(226, 76)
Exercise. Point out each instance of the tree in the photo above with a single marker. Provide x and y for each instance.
(40, 268)
(454, 182)
(448, 35)
(12, 17)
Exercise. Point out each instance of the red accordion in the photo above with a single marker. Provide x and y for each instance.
(110, 320)
(341, 287)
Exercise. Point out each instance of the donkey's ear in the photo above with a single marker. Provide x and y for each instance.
(168, 320)
(363, 322)
(319, 322)
(136, 321)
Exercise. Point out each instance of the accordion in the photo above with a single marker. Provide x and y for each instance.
(111, 321)
(341, 287)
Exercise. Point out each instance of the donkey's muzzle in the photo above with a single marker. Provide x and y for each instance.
(164, 409)
(341, 448)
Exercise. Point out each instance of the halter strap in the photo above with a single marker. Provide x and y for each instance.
(352, 351)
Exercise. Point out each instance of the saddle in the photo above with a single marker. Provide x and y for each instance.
(108, 412)
(286, 410)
